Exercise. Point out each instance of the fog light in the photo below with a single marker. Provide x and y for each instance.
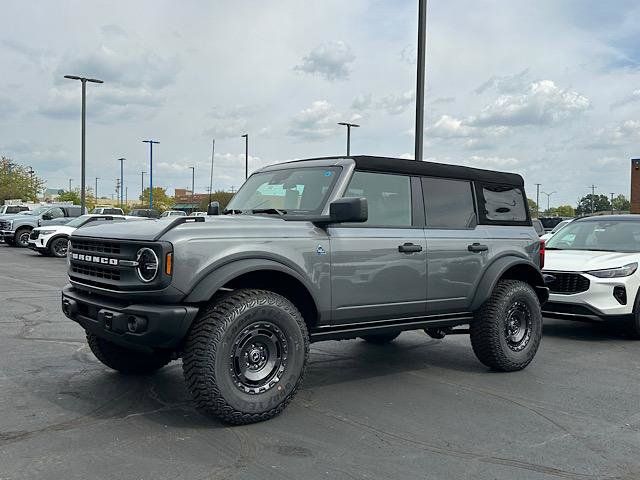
(620, 294)
(136, 325)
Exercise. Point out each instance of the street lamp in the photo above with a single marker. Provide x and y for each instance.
(121, 160)
(422, 41)
(548, 196)
(142, 188)
(150, 142)
(193, 180)
(246, 155)
(348, 125)
(213, 151)
(84, 81)
(70, 184)
(96, 191)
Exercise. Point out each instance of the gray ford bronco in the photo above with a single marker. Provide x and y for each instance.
(312, 250)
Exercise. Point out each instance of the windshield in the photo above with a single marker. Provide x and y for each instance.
(602, 235)
(78, 222)
(560, 225)
(35, 211)
(292, 190)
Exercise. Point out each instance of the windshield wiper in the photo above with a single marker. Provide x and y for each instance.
(269, 210)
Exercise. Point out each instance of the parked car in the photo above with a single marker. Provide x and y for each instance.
(537, 225)
(144, 212)
(108, 210)
(198, 214)
(324, 249)
(556, 229)
(15, 229)
(173, 213)
(12, 209)
(52, 240)
(549, 223)
(591, 270)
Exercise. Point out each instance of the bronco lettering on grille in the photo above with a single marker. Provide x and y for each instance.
(94, 259)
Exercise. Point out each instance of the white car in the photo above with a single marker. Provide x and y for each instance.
(556, 229)
(198, 214)
(173, 213)
(591, 269)
(51, 240)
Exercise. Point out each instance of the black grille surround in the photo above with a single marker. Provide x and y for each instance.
(34, 234)
(109, 264)
(566, 283)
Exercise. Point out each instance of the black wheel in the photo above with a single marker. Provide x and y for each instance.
(124, 360)
(22, 237)
(380, 338)
(633, 325)
(58, 247)
(506, 331)
(245, 356)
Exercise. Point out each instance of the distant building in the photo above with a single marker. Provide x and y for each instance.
(52, 194)
(187, 202)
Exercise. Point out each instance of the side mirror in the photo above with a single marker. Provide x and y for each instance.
(213, 208)
(47, 216)
(349, 209)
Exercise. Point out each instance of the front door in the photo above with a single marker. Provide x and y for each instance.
(378, 268)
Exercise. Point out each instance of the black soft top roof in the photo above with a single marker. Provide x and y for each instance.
(432, 169)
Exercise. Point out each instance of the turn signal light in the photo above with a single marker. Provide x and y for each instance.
(542, 252)
(168, 263)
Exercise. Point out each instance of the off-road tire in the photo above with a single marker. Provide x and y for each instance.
(18, 240)
(380, 338)
(124, 360)
(53, 248)
(633, 325)
(489, 336)
(210, 370)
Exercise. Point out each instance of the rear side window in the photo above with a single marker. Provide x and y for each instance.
(502, 204)
(388, 198)
(448, 203)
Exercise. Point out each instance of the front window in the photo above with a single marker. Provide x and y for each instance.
(290, 190)
(388, 198)
(598, 235)
(36, 211)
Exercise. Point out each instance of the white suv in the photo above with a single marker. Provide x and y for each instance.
(591, 270)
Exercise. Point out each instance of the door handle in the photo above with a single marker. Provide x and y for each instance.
(409, 248)
(476, 247)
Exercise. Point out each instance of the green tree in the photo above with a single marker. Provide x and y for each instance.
(161, 201)
(593, 203)
(621, 204)
(565, 211)
(74, 196)
(223, 198)
(533, 207)
(17, 182)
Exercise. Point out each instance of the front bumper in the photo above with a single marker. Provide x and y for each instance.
(7, 234)
(157, 326)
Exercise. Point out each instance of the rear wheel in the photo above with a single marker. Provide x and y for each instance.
(125, 360)
(380, 338)
(58, 247)
(507, 330)
(245, 356)
(22, 237)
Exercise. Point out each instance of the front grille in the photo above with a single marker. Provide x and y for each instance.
(96, 271)
(4, 225)
(95, 247)
(567, 283)
(34, 234)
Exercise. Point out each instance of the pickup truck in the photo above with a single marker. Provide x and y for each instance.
(15, 229)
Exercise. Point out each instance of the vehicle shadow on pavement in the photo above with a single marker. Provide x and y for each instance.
(585, 331)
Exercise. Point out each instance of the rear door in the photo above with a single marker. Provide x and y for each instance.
(378, 268)
(456, 248)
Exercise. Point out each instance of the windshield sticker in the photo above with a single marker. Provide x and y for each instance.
(328, 173)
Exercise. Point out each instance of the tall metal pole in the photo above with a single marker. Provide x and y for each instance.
(121, 160)
(213, 150)
(422, 40)
(612, 194)
(538, 198)
(193, 186)
(96, 190)
(142, 188)
(593, 197)
(246, 155)
(548, 197)
(70, 184)
(348, 125)
(150, 142)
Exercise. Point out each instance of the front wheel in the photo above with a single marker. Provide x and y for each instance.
(22, 237)
(507, 329)
(245, 356)
(58, 247)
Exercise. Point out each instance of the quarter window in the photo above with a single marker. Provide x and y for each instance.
(502, 203)
(388, 198)
(448, 203)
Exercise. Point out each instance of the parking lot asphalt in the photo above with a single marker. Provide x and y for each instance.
(416, 409)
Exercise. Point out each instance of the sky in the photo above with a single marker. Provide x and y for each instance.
(548, 89)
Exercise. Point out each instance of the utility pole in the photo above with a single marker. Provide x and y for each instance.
(70, 184)
(538, 199)
(593, 198)
(246, 155)
(612, 194)
(213, 150)
(150, 142)
(121, 160)
(422, 42)
(193, 185)
(84, 81)
(118, 188)
(96, 190)
(126, 195)
(348, 125)
(142, 188)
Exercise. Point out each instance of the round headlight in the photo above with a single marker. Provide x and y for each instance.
(148, 263)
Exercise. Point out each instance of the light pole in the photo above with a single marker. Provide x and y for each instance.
(593, 197)
(142, 188)
(70, 184)
(121, 160)
(193, 180)
(84, 81)
(612, 194)
(96, 190)
(348, 125)
(538, 198)
(246, 155)
(150, 142)
(213, 151)
(548, 196)
(422, 41)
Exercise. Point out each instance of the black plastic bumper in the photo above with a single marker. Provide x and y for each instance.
(138, 326)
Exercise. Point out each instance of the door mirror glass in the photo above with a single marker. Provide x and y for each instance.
(349, 209)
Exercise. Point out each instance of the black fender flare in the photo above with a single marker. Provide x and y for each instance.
(217, 278)
(495, 272)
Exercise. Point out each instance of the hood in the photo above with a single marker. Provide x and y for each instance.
(56, 228)
(584, 260)
(13, 216)
(245, 226)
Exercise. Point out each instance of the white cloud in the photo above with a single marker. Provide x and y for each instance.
(397, 103)
(450, 127)
(330, 60)
(316, 122)
(624, 133)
